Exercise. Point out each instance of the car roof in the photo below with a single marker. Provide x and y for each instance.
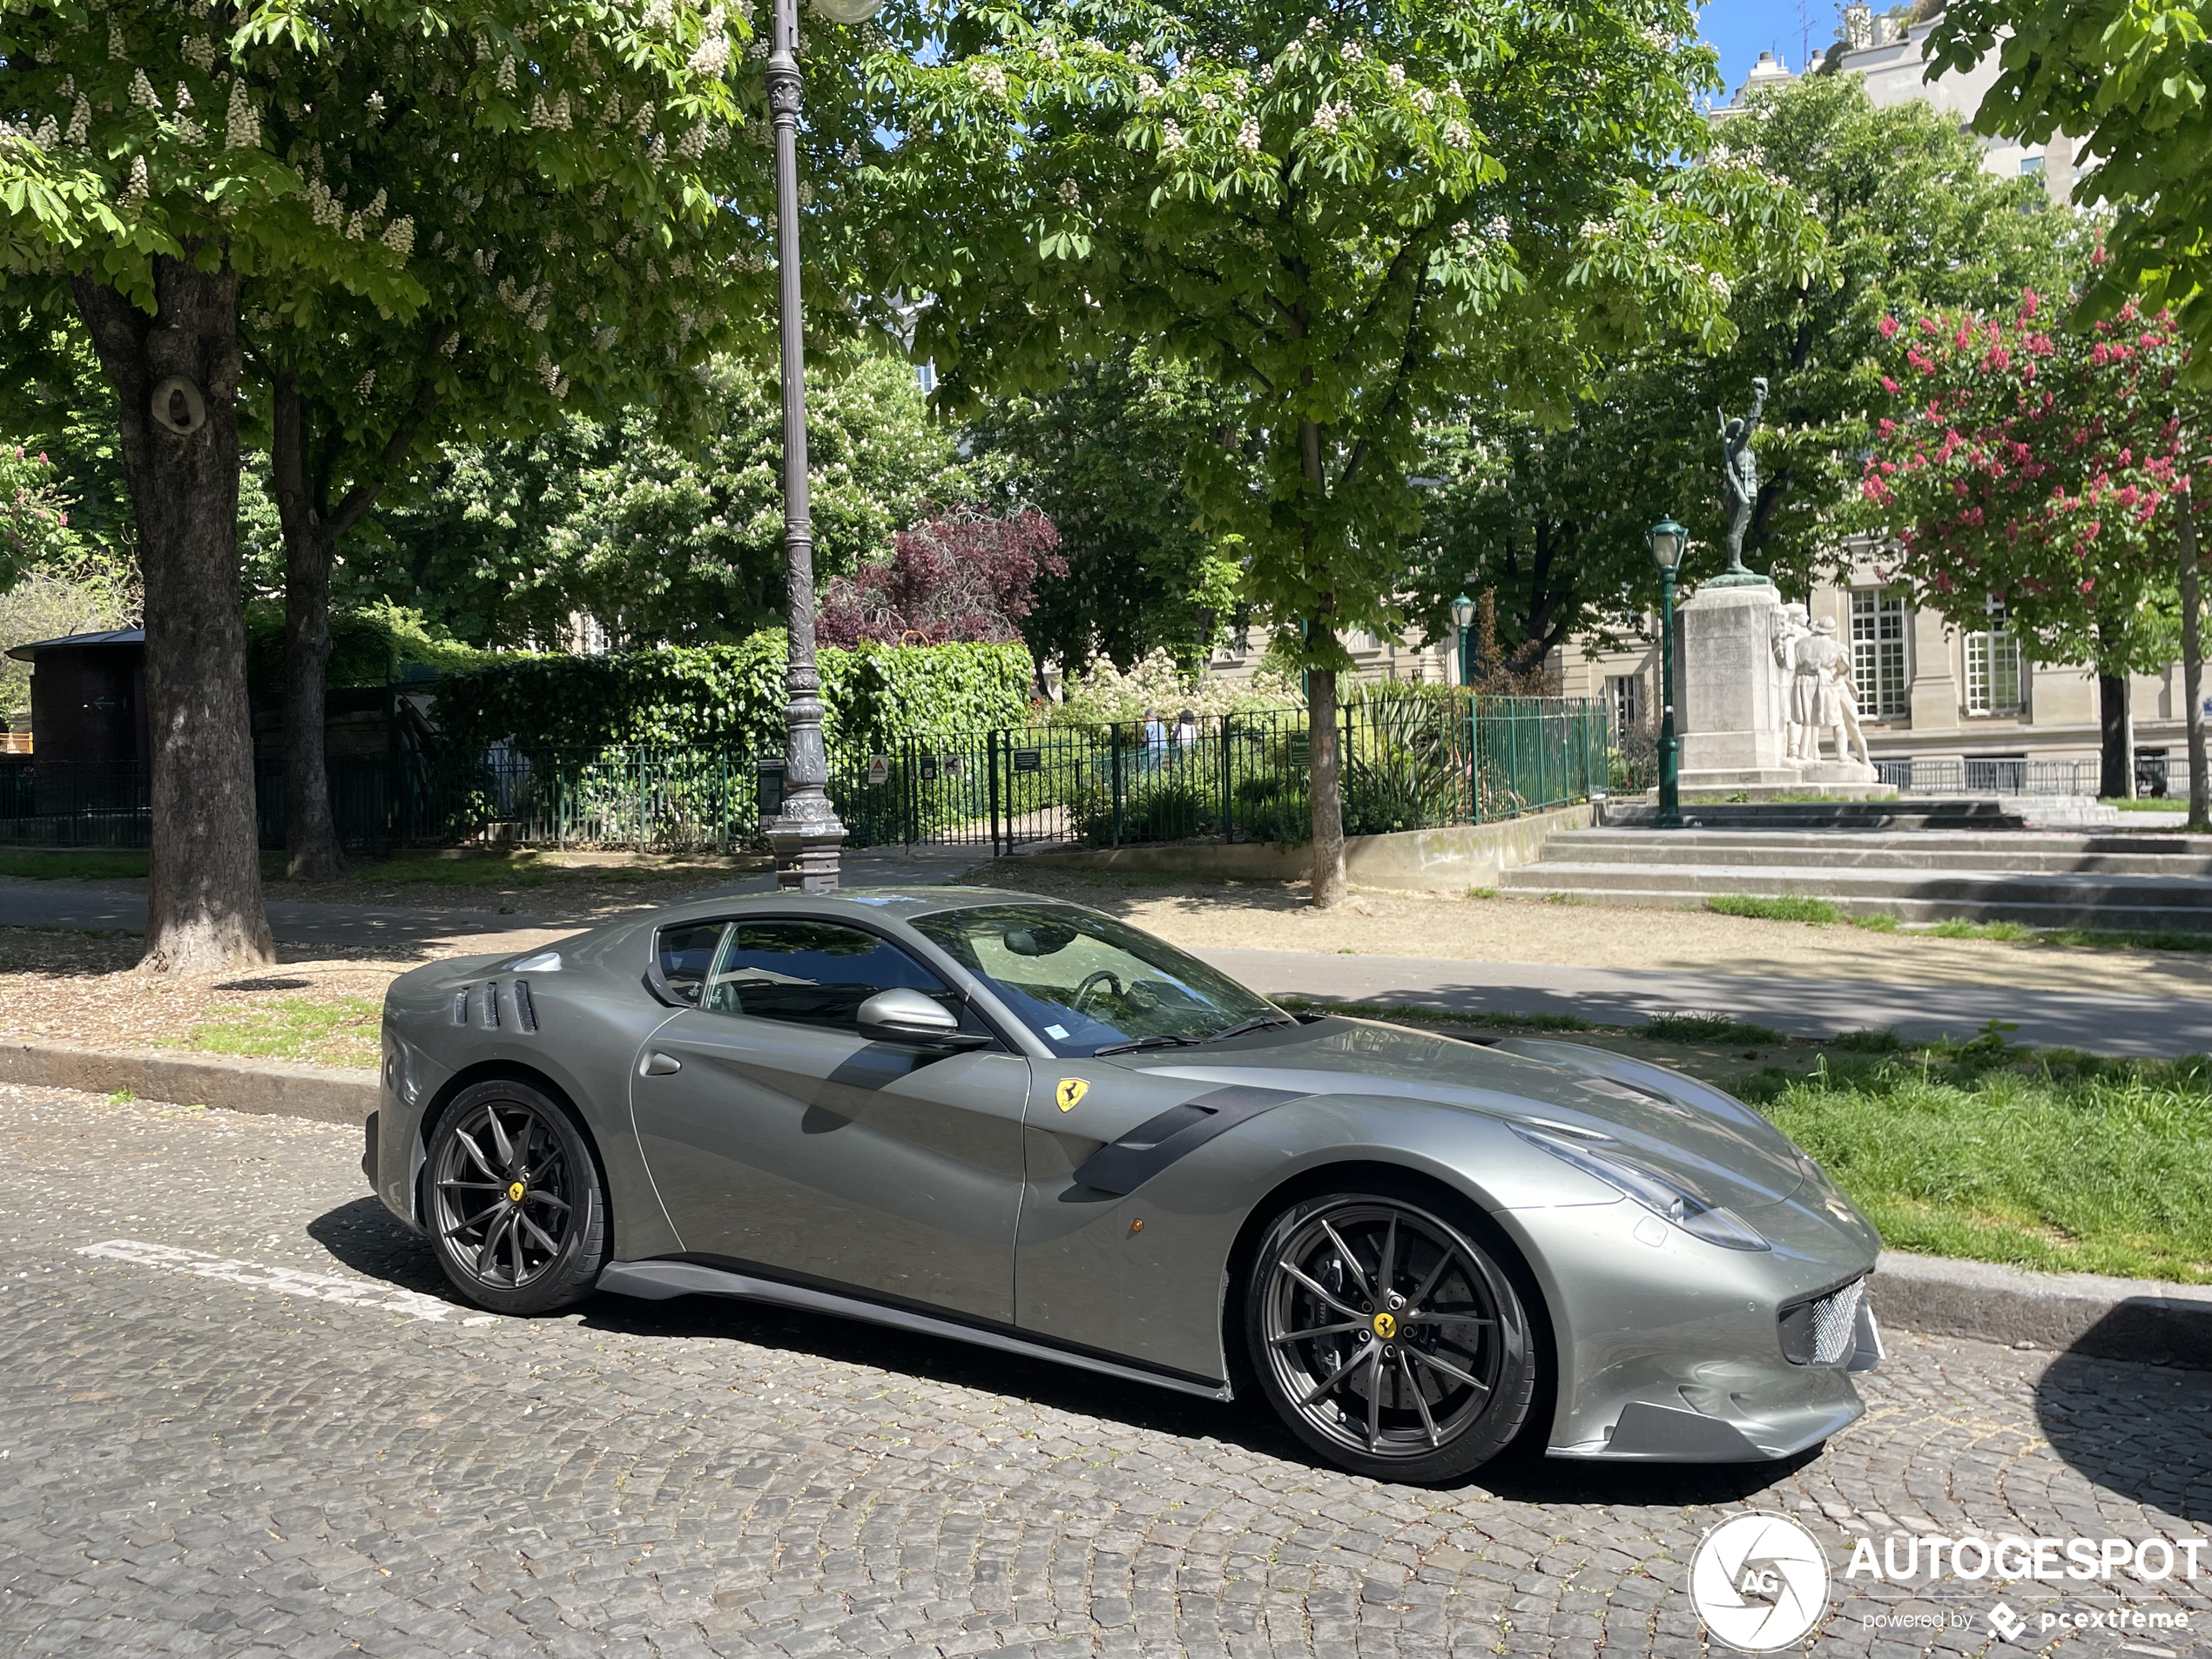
(899, 903)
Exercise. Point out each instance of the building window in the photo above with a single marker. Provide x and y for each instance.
(1878, 652)
(1993, 664)
(2032, 166)
(1624, 693)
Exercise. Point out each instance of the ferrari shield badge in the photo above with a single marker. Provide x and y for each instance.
(1071, 1089)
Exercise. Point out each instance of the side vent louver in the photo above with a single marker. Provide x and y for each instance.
(491, 1005)
(525, 1011)
(460, 1006)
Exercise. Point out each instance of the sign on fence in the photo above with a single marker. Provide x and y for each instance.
(771, 775)
(1029, 760)
(878, 771)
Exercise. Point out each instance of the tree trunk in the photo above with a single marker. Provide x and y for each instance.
(2116, 769)
(2193, 666)
(203, 903)
(312, 853)
(1323, 733)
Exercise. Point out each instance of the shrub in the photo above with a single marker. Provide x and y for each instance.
(1704, 1027)
(1789, 908)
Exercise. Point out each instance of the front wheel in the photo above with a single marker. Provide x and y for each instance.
(1389, 1341)
(517, 1204)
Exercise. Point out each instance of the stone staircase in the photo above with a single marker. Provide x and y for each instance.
(1915, 873)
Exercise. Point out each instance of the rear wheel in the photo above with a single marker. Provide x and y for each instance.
(1388, 1339)
(515, 1202)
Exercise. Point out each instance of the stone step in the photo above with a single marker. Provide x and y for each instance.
(2043, 899)
(2057, 855)
(1841, 814)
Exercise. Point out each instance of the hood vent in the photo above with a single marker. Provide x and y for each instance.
(460, 1006)
(491, 1005)
(525, 1011)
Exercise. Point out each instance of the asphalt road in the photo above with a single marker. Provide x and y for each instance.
(240, 1417)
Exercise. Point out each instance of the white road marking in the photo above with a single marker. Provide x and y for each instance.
(288, 1281)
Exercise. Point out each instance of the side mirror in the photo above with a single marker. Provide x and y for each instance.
(903, 1015)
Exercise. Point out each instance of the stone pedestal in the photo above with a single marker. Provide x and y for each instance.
(1731, 701)
(1817, 774)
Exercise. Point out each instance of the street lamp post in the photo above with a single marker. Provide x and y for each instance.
(1666, 539)
(804, 834)
(1463, 619)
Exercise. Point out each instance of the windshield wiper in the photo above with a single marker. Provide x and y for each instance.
(1160, 1041)
(1257, 1022)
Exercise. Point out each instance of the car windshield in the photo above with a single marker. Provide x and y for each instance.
(1083, 981)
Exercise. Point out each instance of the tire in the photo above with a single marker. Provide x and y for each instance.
(515, 1202)
(1438, 1386)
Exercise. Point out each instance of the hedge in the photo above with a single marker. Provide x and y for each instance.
(714, 695)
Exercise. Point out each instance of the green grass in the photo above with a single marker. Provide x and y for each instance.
(1482, 893)
(49, 867)
(2010, 932)
(1791, 908)
(1880, 922)
(1705, 1028)
(343, 1033)
(2148, 803)
(2122, 939)
(2054, 1161)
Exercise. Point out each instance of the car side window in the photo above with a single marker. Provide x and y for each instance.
(686, 953)
(812, 973)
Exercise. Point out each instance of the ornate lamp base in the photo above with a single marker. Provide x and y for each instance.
(806, 847)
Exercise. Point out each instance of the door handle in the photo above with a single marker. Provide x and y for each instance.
(660, 1065)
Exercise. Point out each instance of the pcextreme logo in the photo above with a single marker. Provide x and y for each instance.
(1760, 1582)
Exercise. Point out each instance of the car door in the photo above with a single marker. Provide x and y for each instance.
(780, 1139)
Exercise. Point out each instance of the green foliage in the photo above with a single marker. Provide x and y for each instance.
(2127, 79)
(1342, 219)
(1705, 1028)
(718, 695)
(1790, 907)
(1101, 456)
(1880, 922)
(77, 866)
(661, 538)
(1553, 518)
(371, 644)
(2010, 932)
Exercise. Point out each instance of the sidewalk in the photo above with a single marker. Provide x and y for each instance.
(2102, 1024)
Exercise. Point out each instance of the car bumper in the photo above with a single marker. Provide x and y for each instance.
(1670, 1349)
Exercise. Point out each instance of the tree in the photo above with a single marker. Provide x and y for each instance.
(1345, 219)
(2050, 469)
(173, 172)
(1554, 518)
(1101, 456)
(661, 536)
(963, 577)
(2125, 79)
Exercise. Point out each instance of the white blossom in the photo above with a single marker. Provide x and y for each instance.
(1049, 48)
(366, 384)
(680, 265)
(450, 344)
(604, 339)
(694, 143)
(49, 133)
(1266, 74)
(1170, 137)
(80, 121)
(355, 227)
(1147, 87)
(1461, 231)
(1325, 117)
(1456, 134)
(183, 96)
(142, 92)
(1718, 283)
(325, 208)
(1659, 40)
(375, 105)
(241, 122)
(484, 259)
(399, 236)
(1424, 100)
(376, 208)
(1497, 227)
(1453, 87)
(658, 150)
(1210, 103)
(1352, 53)
(987, 77)
(1071, 193)
(115, 47)
(190, 131)
(539, 319)
(713, 54)
(644, 123)
(1248, 136)
(1315, 25)
(140, 184)
(504, 79)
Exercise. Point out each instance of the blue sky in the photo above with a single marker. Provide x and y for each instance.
(1743, 29)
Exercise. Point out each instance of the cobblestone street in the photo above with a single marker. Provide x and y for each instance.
(256, 1424)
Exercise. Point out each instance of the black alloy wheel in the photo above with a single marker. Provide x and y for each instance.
(1389, 1341)
(516, 1204)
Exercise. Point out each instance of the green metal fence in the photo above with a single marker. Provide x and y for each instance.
(1407, 762)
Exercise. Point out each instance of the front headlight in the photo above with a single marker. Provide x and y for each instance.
(1668, 1199)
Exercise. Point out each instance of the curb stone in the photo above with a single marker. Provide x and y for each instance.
(2144, 1320)
(327, 1096)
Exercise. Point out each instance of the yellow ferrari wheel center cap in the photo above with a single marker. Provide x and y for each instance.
(515, 1192)
(1386, 1327)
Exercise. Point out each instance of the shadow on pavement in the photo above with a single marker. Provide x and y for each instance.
(2141, 1431)
(365, 1237)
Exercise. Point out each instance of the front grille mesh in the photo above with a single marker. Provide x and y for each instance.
(1824, 1331)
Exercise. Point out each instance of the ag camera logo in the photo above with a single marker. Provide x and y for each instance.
(1759, 1581)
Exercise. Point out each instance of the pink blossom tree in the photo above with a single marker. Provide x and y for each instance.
(2051, 469)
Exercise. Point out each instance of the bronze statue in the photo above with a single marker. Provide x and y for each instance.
(1740, 480)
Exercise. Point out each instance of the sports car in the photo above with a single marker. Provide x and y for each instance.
(1022, 1123)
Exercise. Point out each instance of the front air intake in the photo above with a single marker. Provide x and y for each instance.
(1824, 1331)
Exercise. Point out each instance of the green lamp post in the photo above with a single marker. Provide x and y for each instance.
(1463, 619)
(1666, 539)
